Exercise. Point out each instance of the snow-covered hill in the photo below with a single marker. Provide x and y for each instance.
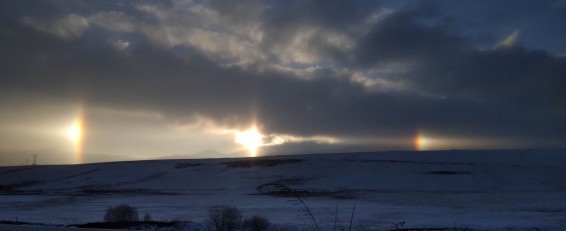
(475, 189)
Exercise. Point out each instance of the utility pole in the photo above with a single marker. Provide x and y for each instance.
(34, 159)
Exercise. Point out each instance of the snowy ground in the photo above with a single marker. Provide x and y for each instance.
(44, 228)
(493, 190)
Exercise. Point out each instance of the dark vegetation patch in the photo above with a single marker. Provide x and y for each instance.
(16, 223)
(22, 192)
(289, 181)
(123, 192)
(433, 229)
(13, 188)
(20, 169)
(4, 222)
(4, 187)
(79, 174)
(416, 162)
(550, 210)
(278, 185)
(248, 163)
(280, 188)
(187, 165)
(444, 173)
(314, 193)
(145, 179)
(131, 225)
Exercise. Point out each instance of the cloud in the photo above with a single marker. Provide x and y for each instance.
(114, 21)
(70, 26)
(304, 71)
(509, 41)
(121, 45)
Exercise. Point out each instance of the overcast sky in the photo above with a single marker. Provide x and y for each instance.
(161, 78)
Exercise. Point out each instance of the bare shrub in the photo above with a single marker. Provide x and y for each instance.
(147, 217)
(121, 213)
(307, 211)
(225, 218)
(256, 223)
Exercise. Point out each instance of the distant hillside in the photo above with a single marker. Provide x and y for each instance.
(471, 183)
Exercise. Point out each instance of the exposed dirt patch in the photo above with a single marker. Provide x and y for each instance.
(259, 163)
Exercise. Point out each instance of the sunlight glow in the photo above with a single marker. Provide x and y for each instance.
(75, 133)
(427, 142)
(251, 139)
(421, 143)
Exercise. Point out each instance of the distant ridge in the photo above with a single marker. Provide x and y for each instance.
(204, 154)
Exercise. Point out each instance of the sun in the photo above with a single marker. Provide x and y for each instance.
(251, 139)
(75, 132)
(421, 142)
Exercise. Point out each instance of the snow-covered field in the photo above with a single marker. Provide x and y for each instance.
(495, 190)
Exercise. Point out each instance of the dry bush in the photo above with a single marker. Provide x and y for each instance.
(121, 213)
(147, 217)
(256, 223)
(225, 218)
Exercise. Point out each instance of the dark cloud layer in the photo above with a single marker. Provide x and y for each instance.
(442, 79)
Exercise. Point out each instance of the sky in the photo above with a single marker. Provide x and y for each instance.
(91, 81)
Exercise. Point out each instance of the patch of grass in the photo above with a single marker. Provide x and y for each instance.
(248, 163)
